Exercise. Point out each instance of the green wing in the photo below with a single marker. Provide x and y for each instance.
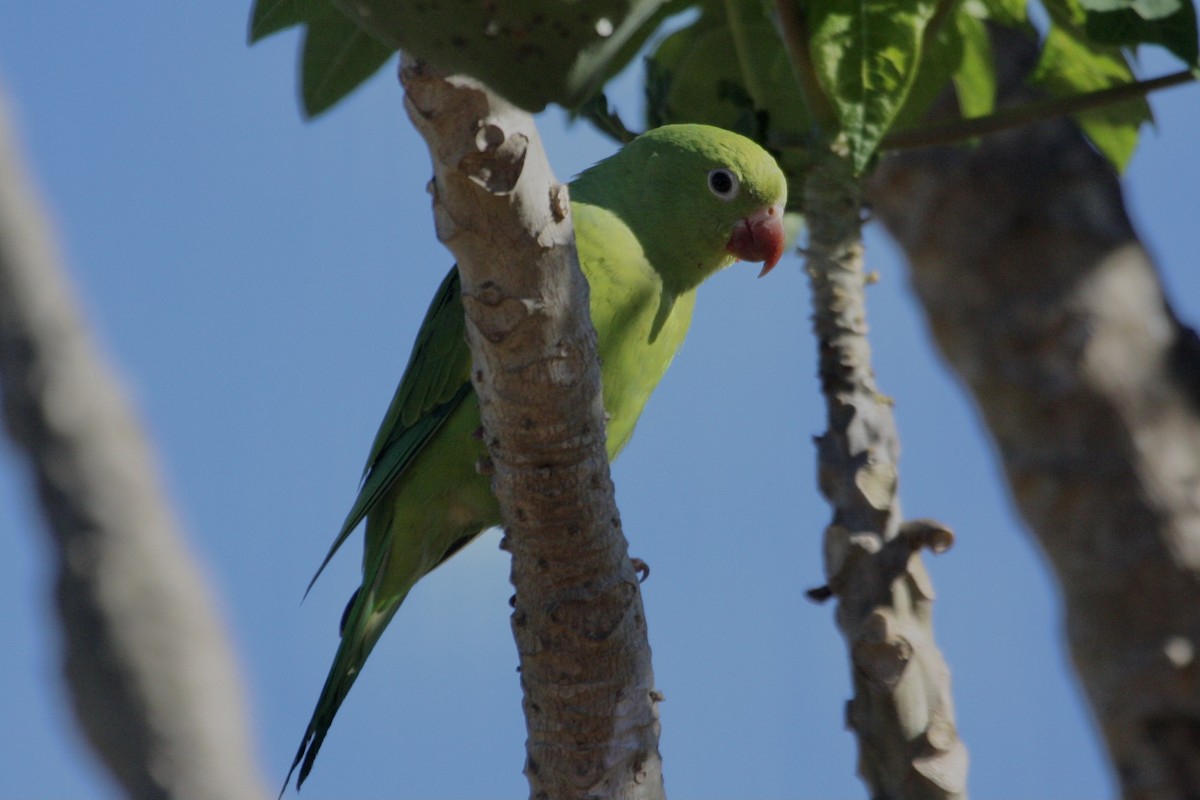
(436, 380)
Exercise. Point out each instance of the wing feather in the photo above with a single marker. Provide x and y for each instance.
(435, 382)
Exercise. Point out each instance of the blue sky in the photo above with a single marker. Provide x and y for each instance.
(258, 281)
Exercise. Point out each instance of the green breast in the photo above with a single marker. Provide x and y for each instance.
(639, 328)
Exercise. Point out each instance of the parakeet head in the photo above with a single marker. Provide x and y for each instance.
(697, 198)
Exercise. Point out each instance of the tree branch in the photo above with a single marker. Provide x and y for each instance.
(590, 706)
(963, 130)
(1049, 309)
(148, 667)
(902, 711)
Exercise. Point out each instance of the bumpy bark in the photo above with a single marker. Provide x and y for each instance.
(148, 666)
(902, 711)
(1048, 308)
(590, 706)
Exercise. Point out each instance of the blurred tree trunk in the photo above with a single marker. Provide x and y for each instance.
(147, 663)
(1048, 308)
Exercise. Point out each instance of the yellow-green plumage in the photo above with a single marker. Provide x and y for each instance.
(650, 226)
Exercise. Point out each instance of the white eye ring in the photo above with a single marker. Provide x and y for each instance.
(723, 183)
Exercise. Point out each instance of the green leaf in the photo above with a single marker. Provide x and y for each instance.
(1070, 65)
(697, 75)
(866, 54)
(975, 78)
(1130, 23)
(337, 57)
(272, 16)
(1158, 9)
(961, 53)
(533, 51)
(686, 84)
(1013, 13)
(939, 62)
(1129, 28)
(1104, 5)
(634, 44)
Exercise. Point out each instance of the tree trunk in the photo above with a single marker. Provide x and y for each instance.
(148, 666)
(902, 712)
(1048, 308)
(590, 706)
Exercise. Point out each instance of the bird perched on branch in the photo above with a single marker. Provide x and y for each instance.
(652, 222)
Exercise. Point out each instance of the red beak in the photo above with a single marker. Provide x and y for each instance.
(759, 237)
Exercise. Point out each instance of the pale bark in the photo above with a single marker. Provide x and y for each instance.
(148, 666)
(902, 711)
(1048, 308)
(590, 705)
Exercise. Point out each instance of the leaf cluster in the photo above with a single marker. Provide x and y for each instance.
(533, 52)
(859, 75)
(877, 66)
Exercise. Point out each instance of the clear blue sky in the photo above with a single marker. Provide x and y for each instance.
(259, 280)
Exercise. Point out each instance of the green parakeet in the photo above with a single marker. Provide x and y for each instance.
(651, 223)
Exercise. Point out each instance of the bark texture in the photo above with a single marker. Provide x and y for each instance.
(902, 711)
(1048, 308)
(590, 705)
(148, 666)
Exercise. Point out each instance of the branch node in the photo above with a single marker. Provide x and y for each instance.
(641, 568)
(819, 594)
(946, 769)
(927, 534)
(877, 482)
(941, 735)
(560, 202)
(842, 548)
(498, 163)
(489, 294)
(880, 654)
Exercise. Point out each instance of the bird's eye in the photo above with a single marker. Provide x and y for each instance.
(723, 183)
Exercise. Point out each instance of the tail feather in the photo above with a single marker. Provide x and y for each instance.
(362, 626)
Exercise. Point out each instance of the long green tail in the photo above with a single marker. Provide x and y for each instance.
(361, 629)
